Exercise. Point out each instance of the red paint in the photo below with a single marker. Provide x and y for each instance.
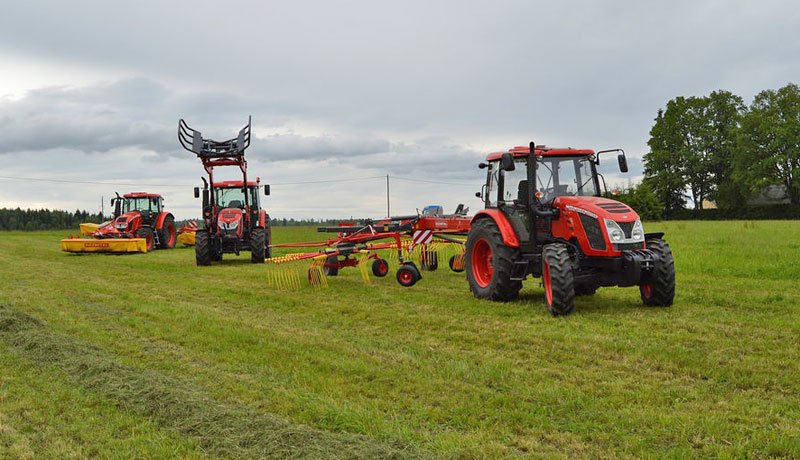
(506, 230)
(482, 268)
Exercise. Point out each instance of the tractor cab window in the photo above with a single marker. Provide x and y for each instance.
(515, 183)
(565, 176)
(230, 197)
(254, 198)
(493, 183)
(140, 204)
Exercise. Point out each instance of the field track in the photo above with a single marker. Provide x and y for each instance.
(150, 356)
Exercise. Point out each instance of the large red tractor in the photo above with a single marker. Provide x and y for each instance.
(233, 218)
(544, 217)
(141, 215)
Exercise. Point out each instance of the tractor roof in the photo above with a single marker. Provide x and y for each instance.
(234, 184)
(141, 195)
(523, 151)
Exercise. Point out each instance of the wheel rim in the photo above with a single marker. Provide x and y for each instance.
(406, 276)
(647, 290)
(482, 268)
(548, 283)
(383, 267)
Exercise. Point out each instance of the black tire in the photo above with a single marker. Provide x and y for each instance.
(380, 268)
(659, 289)
(147, 234)
(585, 289)
(452, 264)
(557, 279)
(408, 275)
(429, 260)
(330, 268)
(167, 236)
(258, 245)
(498, 286)
(202, 248)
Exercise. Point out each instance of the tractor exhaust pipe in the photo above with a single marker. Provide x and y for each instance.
(531, 170)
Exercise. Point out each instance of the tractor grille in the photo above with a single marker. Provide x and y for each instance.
(593, 232)
(615, 208)
(628, 246)
(627, 228)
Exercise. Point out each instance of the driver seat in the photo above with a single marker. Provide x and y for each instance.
(235, 204)
(522, 193)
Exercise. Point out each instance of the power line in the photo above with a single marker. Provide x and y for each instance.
(434, 181)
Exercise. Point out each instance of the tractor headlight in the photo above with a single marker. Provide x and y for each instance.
(637, 234)
(615, 233)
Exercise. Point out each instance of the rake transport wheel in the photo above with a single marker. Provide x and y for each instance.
(489, 262)
(258, 245)
(429, 260)
(147, 234)
(408, 275)
(166, 236)
(456, 265)
(331, 267)
(202, 248)
(659, 289)
(380, 267)
(559, 288)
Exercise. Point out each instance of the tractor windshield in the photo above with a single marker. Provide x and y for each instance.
(142, 204)
(234, 197)
(565, 176)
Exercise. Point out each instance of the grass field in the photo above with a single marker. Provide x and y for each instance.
(151, 356)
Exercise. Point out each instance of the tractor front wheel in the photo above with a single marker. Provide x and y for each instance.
(380, 268)
(408, 275)
(202, 248)
(166, 235)
(559, 287)
(489, 263)
(147, 234)
(258, 245)
(659, 289)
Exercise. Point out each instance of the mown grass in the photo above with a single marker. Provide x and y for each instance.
(424, 371)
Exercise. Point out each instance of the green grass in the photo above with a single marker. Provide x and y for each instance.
(151, 356)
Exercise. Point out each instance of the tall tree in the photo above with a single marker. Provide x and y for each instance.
(768, 150)
(724, 112)
(663, 164)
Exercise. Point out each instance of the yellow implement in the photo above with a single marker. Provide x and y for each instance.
(186, 238)
(120, 245)
(89, 228)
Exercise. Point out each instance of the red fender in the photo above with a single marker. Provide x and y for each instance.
(262, 218)
(506, 230)
(161, 218)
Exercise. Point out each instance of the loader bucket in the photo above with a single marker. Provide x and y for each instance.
(114, 245)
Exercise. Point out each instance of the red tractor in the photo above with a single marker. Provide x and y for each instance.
(544, 217)
(233, 218)
(141, 215)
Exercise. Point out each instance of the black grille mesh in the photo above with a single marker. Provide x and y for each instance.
(627, 228)
(593, 232)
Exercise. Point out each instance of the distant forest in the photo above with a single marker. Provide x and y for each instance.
(47, 219)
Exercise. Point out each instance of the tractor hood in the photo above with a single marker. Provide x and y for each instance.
(231, 223)
(124, 223)
(600, 207)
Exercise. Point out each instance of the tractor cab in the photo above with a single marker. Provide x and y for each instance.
(544, 212)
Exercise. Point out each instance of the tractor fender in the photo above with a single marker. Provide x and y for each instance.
(500, 219)
(161, 218)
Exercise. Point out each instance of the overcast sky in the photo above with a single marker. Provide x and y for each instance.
(92, 91)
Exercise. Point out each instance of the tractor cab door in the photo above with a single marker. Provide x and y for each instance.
(513, 198)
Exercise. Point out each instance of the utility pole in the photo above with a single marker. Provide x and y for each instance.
(388, 214)
(102, 207)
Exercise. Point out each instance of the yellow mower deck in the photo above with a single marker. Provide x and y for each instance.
(118, 245)
(186, 238)
(88, 229)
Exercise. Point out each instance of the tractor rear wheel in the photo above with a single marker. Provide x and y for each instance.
(166, 236)
(258, 245)
(202, 248)
(489, 263)
(659, 289)
(380, 268)
(331, 267)
(559, 287)
(147, 234)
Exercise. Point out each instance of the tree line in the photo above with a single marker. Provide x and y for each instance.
(717, 148)
(44, 219)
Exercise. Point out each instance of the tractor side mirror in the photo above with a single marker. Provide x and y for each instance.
(507, 162)
(266, 189)
(482, 165)
(117, 206)
(623, 162)
(479, 195)
(197, 192)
